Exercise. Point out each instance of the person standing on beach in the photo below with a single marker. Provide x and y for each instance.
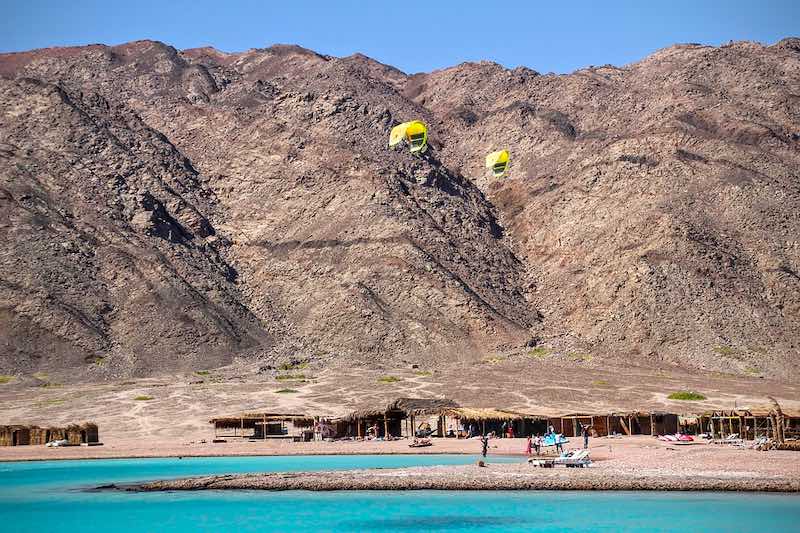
(537, 443)
(528, 446)
(484, 445)
(585, 437)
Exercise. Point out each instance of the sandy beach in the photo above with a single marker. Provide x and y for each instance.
(631, 463)
(490, 477)
(627, 463)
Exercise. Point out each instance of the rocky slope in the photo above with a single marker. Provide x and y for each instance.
(166, 209)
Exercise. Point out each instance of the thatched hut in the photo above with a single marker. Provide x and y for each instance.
(399, 418)
(625, 423)
(751, 423)
(21, 435)
(488, 420)
(641, 423)
(15, 435)
(569, 425)
(85, 433)
(263, 426)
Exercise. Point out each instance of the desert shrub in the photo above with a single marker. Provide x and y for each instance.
(389, 379)
(293, 365)
(686, 395)
(143, 398)
(539, 351)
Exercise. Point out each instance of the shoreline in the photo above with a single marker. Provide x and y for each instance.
(266, 454)
(492, 477)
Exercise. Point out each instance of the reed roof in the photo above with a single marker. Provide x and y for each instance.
(252, 418)
(403, 407)
(484, 413)
(421, 406)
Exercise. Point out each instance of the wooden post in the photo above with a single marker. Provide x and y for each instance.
(264, 431)
(241, 419)
(358, 427)
(385, 425)
(651, 425)
(483, 425)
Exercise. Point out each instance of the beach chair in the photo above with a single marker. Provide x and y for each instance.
(576, 459)
(542, 463)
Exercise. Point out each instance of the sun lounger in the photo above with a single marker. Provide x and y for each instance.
(576, 459)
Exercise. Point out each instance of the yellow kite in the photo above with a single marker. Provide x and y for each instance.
(498, 162)
(415, 133)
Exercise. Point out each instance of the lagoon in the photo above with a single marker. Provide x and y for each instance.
(48, 495)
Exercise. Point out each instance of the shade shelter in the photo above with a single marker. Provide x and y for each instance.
(399, 418)
(751, 423)
(85, 433)
(263, 426)
(488, 420)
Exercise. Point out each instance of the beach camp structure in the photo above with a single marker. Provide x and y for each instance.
(624, 423)
(76, 434)
(498, 163)
(264, 425)
(414, 134)
(749, 424)
(488, 420)
(399, 418)
(404, 417)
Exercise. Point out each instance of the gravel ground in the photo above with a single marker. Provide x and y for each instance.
(491, 477)
(632, 463)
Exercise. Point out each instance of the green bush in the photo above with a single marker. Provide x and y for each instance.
(423, 373)
(202, 372)
(6, 379)
(143, 398)
(539, 351)
(286, 391)
(293, 366)
(686, 395)
(389, 379)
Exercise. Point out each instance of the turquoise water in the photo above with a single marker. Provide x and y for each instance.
(45, 496)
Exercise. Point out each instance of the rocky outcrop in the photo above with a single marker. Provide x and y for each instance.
(166, 210)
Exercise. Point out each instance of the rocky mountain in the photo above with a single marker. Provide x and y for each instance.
(166, 210)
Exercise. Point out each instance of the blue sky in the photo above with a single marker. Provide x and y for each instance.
(412, 35)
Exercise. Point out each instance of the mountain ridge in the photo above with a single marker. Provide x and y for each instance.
(262, 180)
